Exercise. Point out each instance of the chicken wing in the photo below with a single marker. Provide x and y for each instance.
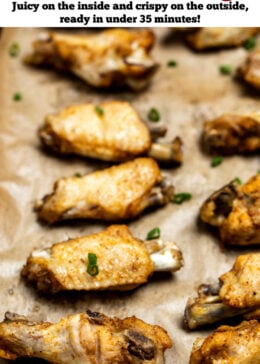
(116, 193)
(250, 70)
(102, 59)
(111, 131)
(233, 133)
(229, 345)
(122, 262)
(235, 210)
(207, 38)
(236, 294)
(84, 338)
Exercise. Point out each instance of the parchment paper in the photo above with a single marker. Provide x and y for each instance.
(186, 96)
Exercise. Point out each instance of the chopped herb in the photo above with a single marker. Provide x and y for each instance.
(172, 63)
(92, 267)
(78, 174)
(153, 234)
(17, 96)
(14, 49)
(250, 43)
(179, 198)
(225, 69)
(238, 180)
(153, 115)
(99, 110)
(216, 161)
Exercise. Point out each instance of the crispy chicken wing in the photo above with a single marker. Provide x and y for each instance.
(84, 338)
(206, 38)
(229, 345)
(235, 210)
(250, 70)
(236, 294)
(111, 131)
(121, 262)
(102, 59)
(116, 193)
(233, 133)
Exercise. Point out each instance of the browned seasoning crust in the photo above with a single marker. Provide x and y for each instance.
(249, 71)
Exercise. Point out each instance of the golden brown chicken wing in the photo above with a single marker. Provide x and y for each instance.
(116, 193)
(236, 294)
(84, 338)
(233, 133)
(206, 38)
(229, 345)
(235, 210)
(111, 131)
(102, 59)
(250, 70)
(111, 259)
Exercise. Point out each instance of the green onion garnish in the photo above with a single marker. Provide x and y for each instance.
(77, 174)
(172, 63)
(99, 110)
(17, 96)
(225, 69)
(238, 180)
(153, 234)
(216, 161)
(153, 115)
(179, 198)
(92, 267)
(14, 49)
(250, 43)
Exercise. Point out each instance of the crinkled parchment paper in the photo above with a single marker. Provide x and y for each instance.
(185, 96)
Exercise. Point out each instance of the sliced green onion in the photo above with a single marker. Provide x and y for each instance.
(250, 43)
(238, 180)
(225, 69)
(17, 96)
(77, 174)
(99, 110)
(172, 63)
(92, 267)
(14, 49)
(153, 115)
(153, 234)
(179, 198)
(216, 161)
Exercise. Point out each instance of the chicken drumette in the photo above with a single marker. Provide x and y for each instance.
(250, 70)
(235, 210)
(121, 262)
(236, 294)
(229, 345)
(111, 131)
(84, 338)
(116, 193)
(103, 59)
(233, 133)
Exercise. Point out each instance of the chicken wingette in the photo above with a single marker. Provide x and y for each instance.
(84, 338)
(102, 59)
(229, 345)
(232, 134)
(249, 71)
(116, 193)
(236, 294)
(111, 259)
(235, 211)
(111, 131)
(210, 37)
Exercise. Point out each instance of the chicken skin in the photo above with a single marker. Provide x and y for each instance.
(235, 210)
(250, 70)
(210, 37)
(111, 131)
(229, 345)
(232, 134)
(236, 294)
(116, 193)
(122, 262)
(102, 59)
(84, 338)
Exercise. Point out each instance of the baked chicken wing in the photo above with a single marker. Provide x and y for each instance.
(121, 262)
(111, 131)
(102, 59)
(235, 210)
(233, 133)
(250, 70)
(116, 193)
(236, 294)
(210, 37)
(229, 345)
(84, 338)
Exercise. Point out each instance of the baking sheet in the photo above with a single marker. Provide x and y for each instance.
(186, 96)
